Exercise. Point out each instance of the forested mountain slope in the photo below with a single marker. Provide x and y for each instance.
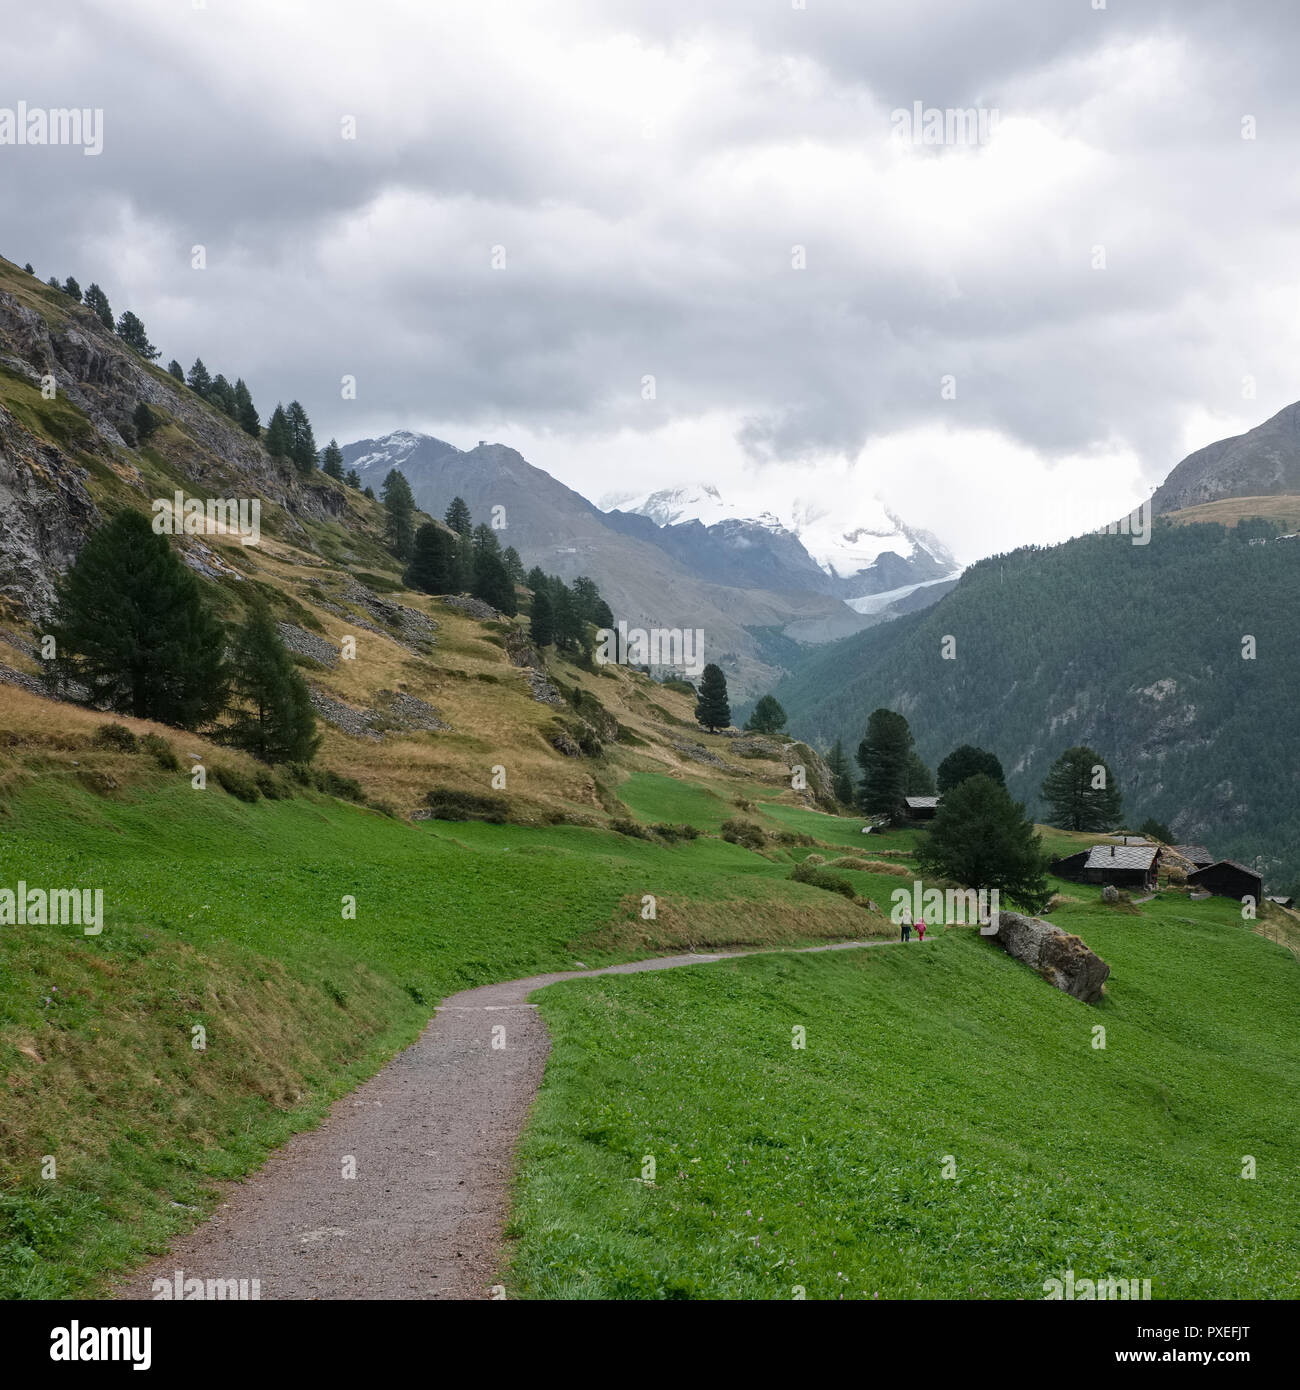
(1138, 651)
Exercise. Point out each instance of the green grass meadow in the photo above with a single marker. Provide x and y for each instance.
(819, 1172)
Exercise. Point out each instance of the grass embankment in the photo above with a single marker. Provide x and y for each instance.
(823, 1169)
(229, 917)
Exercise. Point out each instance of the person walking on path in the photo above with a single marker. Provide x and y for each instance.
(906, 930)
(920, 931)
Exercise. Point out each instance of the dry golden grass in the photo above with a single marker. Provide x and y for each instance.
(774, 915)
(1228, 511)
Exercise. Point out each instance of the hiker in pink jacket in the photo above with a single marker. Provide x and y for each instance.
(920, 931)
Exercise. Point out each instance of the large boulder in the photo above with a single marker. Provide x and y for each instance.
(1061, 959)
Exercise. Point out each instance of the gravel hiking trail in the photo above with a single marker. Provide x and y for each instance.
(433, 1139)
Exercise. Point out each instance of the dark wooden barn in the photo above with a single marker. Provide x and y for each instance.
(1194, 854)
(1229, 879)
(1072, 866)
(922, 807)
(1123, 866)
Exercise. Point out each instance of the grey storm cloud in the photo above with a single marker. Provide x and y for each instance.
(649, 169)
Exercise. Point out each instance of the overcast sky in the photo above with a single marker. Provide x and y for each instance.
(649, 169)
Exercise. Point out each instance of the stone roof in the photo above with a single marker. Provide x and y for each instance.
(922, 803)
(1198, 854)
(1122, 856)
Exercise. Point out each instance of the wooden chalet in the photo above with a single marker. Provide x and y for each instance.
(922, 807)
(1228, 879)
(1194, 854)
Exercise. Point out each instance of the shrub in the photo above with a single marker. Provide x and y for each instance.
(794, 837)
(822, 878)
(672, 833)
(680, 686)
(162, 752)
(238, 784)
(273, 787)
(116, 736)
(336, 784)
(630, 828)
(452, 803)
(744, 832)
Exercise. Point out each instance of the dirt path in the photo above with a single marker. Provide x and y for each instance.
(433, 1138)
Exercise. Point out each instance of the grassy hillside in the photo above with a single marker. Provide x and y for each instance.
(1135, 650)
(823, 1169)
(229, 916)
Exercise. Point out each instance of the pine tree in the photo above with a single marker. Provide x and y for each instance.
(222, 395)
(433, 568)
(842, 772)
(175, 368)
(369, 492)
(97, 302)
(1082, 791)
(768, 717)
(493, 584)
(967, 761)
(332, 463)
(918, 780)
(570, 630)
(536, 579)
(28, 268)
(399, 527)
(145, 422)
(279, 439)
(354, 479)
(302, 443)
(199, 380)
(458, 517)
(132, 627)
(514, 565)
(71, 287)
(541, 623)
(53, 283)
(883, 756)
(982, 839)
(484, 540)
(131, 331)
(245, 410)
(274, 720)
(1156, 830)
(712, 708)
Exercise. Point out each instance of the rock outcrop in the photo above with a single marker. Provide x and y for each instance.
(1060, 958)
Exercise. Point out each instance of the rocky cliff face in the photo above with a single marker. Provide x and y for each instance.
(1263, 462)
(63, 456)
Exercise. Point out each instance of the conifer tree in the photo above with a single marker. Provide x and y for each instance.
(492, 584)
(967, 761)
(1082, 792)
(245, 410)
(354, 479)
(332, 463)
(541, 623)
(458, 517)
(145, 422)
(175, 368)
(514, 565)
(399, 527)
(433, 566)
(884, 756)
(302, 443)
(97, 302)
(982, 839)
(273, 720)
(279, 439)
(712, 708)
(198, 379)
(70, 287)
(222, 395)
(919, 781)
(768, 717)
(132, 627)
(131, 331)
(842, 772)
